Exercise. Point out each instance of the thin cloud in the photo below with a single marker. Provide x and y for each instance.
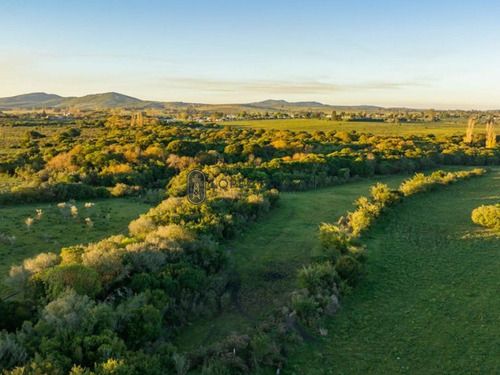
(279, 87)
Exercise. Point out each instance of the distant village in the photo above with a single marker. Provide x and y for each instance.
(192, 114)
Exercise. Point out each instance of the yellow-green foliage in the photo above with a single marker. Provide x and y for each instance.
(491, 135)
(420, 183)
(363, 217)
(382, 194)
(334, 240)
(470, 131)
(487, 216)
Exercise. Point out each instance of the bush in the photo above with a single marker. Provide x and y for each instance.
(11, 352)
(141, 227)
(82, 279)
(41, 262)
(317, 278)
(306, 307)
(144, 259)
(123, 190)
(349, 269)
(366, 212)
(381, 193)
(418, 184)
(360, 220)
(72, 254)
(334, 240)
(487, 216)
(106, 257)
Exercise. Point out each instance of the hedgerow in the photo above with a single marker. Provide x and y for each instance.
(343, 249)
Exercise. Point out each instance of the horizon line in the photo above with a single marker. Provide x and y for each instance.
(409, 107)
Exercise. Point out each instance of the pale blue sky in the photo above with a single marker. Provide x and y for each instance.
(441, 54)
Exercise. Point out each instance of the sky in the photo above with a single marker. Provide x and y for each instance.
(421, 54)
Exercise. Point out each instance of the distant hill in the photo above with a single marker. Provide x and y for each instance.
(284, 105)
(105, 100)
(36, 99)
(270, 103)
(117, 100)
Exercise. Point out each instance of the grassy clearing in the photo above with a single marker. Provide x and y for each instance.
(53, 230)
(430, 302)
(268, 255)
(378, 128)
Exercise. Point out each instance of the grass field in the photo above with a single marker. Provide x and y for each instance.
(378, 128)
(430, 302)
(53, 230)
(430, 289)
(268, 255)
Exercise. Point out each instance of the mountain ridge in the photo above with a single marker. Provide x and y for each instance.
(118, 100)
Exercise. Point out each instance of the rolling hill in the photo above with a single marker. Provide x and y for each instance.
(117, 100)
(36, 99)
(105, 100)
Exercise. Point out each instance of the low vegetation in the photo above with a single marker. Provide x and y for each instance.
(487, 216)
(116, 303)
(428, 297)
(53, 227)
(324, 283)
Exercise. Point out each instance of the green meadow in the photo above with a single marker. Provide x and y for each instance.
(56, 229)
(379, 128)
(427, 304)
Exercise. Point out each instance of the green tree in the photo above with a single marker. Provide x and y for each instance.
(82, 279)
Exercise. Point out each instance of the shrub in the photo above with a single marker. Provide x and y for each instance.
(141, 227)
(349, 269)
(317, 278)
(334, 240)
(487, 216)
(144, 259)
(181, 364)
(106, 258)
(122, 190)
(83, 280)
(381, 193)
(418, 184)
(359, 220)
(71, 312)
(72, 254)
(306, 308)
(365, 213)
(229, 356)
(11, 352)
(40, 262)
(172, 238)
(18, 279)
(264, 351)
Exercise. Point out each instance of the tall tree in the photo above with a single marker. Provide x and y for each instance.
(470, 130)
(491, 137)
